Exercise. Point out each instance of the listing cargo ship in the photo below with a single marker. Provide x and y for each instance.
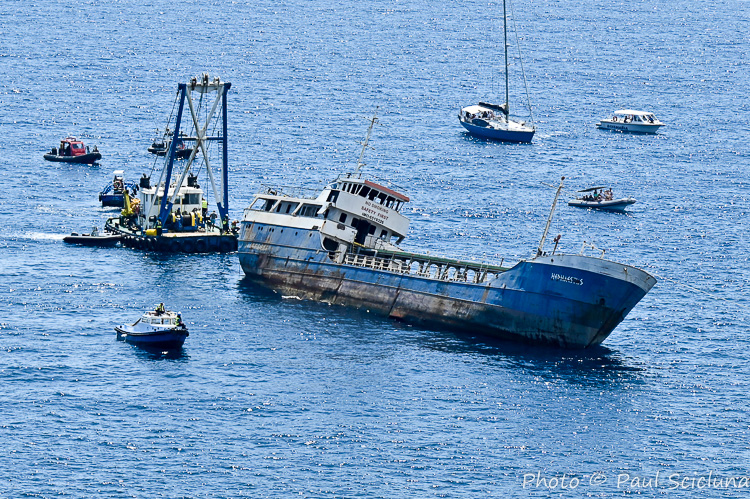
(343, 247)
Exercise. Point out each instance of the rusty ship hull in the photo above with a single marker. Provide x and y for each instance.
(570, 301)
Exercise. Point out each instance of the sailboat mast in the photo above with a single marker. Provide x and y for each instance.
(505, 34)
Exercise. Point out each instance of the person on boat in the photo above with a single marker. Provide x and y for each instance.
(95, 149)
(608, 196)
(204, 207)
(54, 151)
(178, 321)
(158, 227)
(160, 309)
(225, 225)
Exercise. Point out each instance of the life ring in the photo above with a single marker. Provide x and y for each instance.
(187, 246)
(201, 246)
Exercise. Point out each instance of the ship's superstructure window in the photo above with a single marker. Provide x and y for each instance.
(262, 204)
(342, 218)
(193, 198)
(286, 207)
(309, 210)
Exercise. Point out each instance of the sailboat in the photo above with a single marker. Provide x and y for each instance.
(493, 121)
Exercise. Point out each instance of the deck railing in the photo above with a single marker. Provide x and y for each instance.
(425, 267)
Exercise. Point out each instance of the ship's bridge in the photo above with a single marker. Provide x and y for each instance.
(371, 209)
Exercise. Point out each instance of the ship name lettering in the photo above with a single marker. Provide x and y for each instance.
(567, 278)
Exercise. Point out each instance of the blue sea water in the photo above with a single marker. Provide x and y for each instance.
(274, 397)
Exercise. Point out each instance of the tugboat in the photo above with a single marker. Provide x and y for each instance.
(73, 150)
(343, 247)
(156, 328)
(171, 215)
(112, 193)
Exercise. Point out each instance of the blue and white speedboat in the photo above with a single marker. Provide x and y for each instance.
(343, 247)
(112, 193)
(156, 328)
(632, 121)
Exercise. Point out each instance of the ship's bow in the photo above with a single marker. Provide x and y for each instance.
(573, 301)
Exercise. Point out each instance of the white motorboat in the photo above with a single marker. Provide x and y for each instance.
(600, 199)
(629, 120)
(156, 328)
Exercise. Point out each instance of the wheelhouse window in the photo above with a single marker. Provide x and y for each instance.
(342, 218)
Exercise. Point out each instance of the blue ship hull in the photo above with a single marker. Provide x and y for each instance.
(117, 200)
(173, 338)
(569, 301)
(487, 132)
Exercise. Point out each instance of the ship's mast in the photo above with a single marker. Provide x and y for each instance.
(540, 250)
(360, 163)
(505, 34)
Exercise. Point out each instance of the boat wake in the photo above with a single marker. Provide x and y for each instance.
(42, 236)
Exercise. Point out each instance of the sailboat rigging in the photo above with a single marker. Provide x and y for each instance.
(493, 121)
